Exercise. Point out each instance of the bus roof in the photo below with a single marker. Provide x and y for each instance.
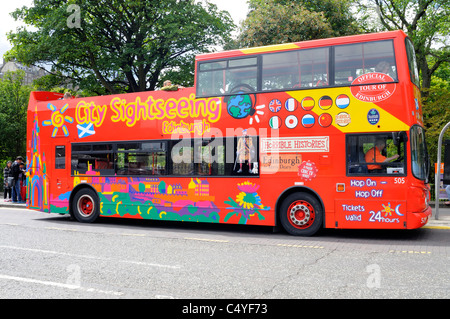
(302, 44)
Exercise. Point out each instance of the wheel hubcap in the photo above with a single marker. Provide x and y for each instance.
(85, 205)
(301, 214)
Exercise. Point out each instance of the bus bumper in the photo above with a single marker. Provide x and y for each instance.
(417, 220)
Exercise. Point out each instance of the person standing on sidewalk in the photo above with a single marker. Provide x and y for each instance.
(15, 168)
(23, 182)
(447, 190)
(7, 181)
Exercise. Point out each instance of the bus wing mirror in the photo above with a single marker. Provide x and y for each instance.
(399, 137)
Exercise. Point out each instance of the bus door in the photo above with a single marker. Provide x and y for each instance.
(376, 189)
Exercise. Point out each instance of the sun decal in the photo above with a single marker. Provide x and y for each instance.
(258, 111)
(58, 119)
(387, 209)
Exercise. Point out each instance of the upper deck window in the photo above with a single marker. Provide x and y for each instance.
(337, 65)
(295, 69)
(412, 62)
(353, 60)
(221, 77)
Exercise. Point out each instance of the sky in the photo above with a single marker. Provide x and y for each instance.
(237, 9)
(7, 23)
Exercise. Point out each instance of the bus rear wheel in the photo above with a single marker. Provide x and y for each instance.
(85, 206)
(301, 214)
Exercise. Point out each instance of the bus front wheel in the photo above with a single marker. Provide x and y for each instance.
(85, 206)
(301, 214)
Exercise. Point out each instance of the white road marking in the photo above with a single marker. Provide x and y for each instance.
(141, 263)
(207, 239)
(60, 285)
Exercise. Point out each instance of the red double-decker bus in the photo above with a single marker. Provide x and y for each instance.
(317, 134)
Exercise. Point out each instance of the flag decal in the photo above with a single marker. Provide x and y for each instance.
(85, 130)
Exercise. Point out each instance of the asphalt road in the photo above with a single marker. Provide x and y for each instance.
(50, 256)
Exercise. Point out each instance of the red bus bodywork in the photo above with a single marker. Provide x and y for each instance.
(311, 159)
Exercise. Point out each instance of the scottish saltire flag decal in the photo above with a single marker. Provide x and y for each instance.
(85, 130)
(342, 101)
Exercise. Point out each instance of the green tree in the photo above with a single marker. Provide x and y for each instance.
(426, 22)
(437, 109)
(14, 98)
(282, 21)
(112, 46)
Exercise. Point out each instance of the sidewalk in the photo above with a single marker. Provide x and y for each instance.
(442, 223)
(444, 217)
(11, 204)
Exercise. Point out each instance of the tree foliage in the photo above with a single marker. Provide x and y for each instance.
(282, 21)
(13, 115)
(112, 46)
(426, 22)
(437, 109)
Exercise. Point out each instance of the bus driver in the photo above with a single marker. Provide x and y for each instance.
(374, 155)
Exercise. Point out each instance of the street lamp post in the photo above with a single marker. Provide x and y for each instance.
(437, 177)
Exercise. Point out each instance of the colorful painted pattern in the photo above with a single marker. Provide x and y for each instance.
(146, 197)
(247, 203)
(37, 184)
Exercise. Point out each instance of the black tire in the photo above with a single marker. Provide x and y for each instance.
(301, 214)
(85, 205)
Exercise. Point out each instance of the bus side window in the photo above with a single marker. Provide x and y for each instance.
(60, 157)
(246, 156)
(355, 156)
(181, 157)
(379, 154)
(210, 157)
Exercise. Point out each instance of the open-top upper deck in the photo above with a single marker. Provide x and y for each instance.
(388, 35)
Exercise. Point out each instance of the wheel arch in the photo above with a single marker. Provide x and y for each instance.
(292, 190)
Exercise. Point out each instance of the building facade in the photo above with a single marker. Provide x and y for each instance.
(31, 73)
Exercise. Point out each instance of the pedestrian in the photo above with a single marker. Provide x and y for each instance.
(15, 168)
(23, 182)
(447, 190)
(8, 181)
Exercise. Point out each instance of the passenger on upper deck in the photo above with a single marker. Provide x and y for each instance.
(383, 67)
